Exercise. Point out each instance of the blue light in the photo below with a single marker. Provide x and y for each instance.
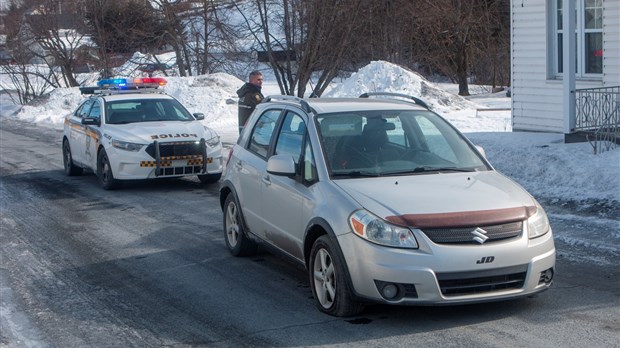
(112, 83)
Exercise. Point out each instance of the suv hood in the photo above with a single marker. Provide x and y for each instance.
(401, 198)
(164, 131)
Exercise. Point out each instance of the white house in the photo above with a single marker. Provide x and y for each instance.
(543, 98)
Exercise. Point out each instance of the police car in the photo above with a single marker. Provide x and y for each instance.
(130, 129)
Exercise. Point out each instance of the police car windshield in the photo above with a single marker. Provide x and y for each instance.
(145, 110)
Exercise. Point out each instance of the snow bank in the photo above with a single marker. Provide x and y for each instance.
(380, 76)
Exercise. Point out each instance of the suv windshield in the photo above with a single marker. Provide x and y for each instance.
(145, 110)
(373, 143)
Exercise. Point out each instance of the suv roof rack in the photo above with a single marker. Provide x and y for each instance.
(304, 104)
(389, 94)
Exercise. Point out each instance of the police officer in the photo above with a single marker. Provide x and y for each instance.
(249, 96)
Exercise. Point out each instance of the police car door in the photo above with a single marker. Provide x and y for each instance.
(77, 133)
(92, 135)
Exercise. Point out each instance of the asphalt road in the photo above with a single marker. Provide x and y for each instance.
(147, 266)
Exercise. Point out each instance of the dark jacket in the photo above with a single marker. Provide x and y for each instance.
(249, 96)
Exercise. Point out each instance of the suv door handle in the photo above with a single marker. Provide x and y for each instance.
(266, 180)
(238, 165)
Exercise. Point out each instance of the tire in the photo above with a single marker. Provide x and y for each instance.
(330, 287)
(104, 172)
(70, 168)
(209, 178)
(235, 235)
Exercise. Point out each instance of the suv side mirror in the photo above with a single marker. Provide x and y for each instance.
(90, 121)
(199, 116)
(281, 165)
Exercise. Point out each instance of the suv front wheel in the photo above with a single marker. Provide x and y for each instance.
(234, 233)
(327, 280)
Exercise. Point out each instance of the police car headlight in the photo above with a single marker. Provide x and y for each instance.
(213, 142)
(379, 231)
(123, 145)
(538, 224)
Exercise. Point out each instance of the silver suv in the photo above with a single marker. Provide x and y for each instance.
(382, 200)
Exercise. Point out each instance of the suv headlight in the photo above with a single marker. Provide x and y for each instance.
(379, 231)
(538, 224)
(123, 145)
(213, 142)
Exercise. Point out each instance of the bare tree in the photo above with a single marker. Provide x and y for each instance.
(27, 81)
(122, 27)
(448, 34)
(46, 28)
(304, 39)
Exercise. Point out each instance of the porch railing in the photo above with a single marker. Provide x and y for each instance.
(598, 116)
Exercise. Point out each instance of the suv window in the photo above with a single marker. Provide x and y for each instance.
(382, 142)
(309, 172)
(291, 136)
(263, 131)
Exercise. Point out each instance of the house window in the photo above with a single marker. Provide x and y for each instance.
(588, 36)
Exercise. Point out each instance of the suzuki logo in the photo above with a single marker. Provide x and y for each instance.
(480, 235)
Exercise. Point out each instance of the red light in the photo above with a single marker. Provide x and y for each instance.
(159, 81)
(598, 53)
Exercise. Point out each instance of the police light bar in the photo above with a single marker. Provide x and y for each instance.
(136, 83)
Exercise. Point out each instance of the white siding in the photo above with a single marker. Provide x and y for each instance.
(535, 106)
(611, 42)
(537, 99)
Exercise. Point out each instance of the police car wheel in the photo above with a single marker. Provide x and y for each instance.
(70, 168)
(234, 232)
(104, 172)
(209, 178)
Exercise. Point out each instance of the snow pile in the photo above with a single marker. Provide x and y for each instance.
(380, 76)
(209, 94)
(547, 167)
(213, 95)
(58, 104)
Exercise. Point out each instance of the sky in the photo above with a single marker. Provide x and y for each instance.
(540, 162)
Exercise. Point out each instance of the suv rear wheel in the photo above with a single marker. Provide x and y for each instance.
(327, 280)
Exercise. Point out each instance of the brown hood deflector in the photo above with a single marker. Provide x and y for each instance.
(463, 219)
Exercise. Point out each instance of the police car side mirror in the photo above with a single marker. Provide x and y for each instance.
(199, 116)
(90, 121)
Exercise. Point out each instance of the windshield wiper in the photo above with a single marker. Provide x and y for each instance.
(357, 174)
(441, 169)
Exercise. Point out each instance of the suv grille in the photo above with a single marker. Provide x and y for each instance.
(183, 148)
(464, 235)
(468, 283)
